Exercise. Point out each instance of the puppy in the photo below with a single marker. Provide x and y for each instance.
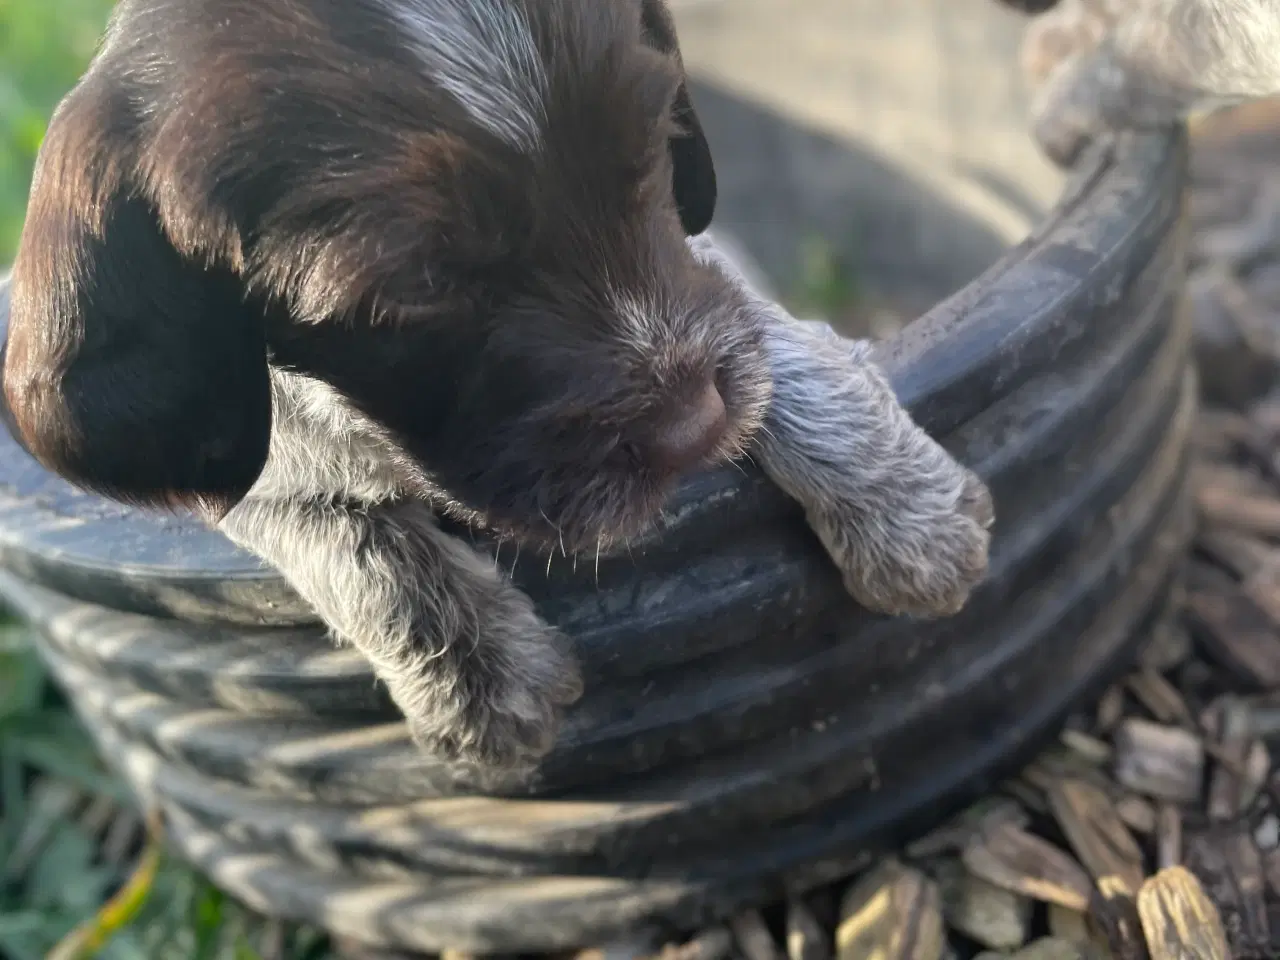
(323, 270)
(1105, 65)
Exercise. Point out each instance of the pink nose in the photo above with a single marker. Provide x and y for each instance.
(689, 437)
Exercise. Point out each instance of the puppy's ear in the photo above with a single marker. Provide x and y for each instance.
(129, 369)
(694, 179)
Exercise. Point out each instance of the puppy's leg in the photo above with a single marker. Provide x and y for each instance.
(906, 524)
(1160, 61)
(479, 676)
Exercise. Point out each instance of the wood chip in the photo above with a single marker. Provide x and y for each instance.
(806, 939)
(1257, 771)
(1163, 762)
(753, 936)
(1271, 870)
(1031, 798)
(893, 913)
(1138, 815)
(1067, 924)
(1238, 553)
(1160, 697)
(1090, 749)
(714, 943)
(1264, 716)
(1262, 586)
(640, 944)
(1227, 784)
(1237, 510)
(1168, 836)
(1110, 710)
(1058, 763)
(1238, 635)
(1258, 446)
(1054, 948)
(1015, 860)
(1266, 836)
(1178, 920)
(955, 833)
(989, 915)
(1096, 833)
(1168, 646)
(1213, 434)
(1113, 921)
(1230, 869)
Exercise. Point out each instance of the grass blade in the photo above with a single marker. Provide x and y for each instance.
(87, 939)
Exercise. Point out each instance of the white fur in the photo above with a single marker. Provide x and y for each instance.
(483, 53)
(1133, 64)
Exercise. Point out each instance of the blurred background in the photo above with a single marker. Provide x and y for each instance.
(44, 46)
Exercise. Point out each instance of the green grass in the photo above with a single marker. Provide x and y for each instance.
(44, 47)
(71, 839)
(79, 874)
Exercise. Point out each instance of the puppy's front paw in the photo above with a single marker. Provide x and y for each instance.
(1059, 58)
(921, 549)
(503, 708)
(1065, 118)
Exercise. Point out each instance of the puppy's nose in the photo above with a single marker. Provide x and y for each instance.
(694, 431)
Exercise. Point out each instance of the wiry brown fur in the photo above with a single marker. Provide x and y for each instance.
(324, 269)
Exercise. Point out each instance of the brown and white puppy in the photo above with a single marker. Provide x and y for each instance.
(321, 270)
(1103, 65)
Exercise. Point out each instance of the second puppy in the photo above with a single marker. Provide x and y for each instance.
(1103, 65)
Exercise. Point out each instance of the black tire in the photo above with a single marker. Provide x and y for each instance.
(747, 728)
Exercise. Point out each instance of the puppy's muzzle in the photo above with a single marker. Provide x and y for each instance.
(693, 431)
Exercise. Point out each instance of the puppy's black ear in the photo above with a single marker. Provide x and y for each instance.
(694, 179)
(129, 369)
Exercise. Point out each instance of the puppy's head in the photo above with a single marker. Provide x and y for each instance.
(469, 216)
(567, 359)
